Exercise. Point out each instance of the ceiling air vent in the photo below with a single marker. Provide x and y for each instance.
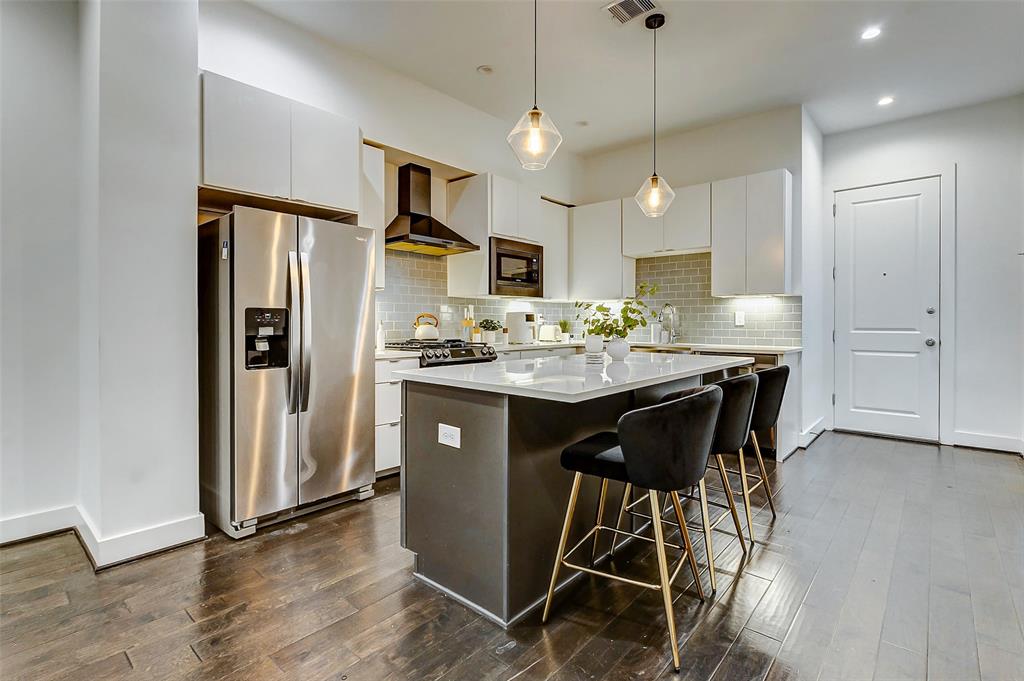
(625, 10)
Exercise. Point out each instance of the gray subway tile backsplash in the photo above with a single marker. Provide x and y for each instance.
(418, 283)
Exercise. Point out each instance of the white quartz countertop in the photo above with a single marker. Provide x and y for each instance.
(570, 379)
(699, 347)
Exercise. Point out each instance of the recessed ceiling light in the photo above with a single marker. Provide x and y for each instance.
(886, 101)
(870, 33)
(485, 69)
(582, 124)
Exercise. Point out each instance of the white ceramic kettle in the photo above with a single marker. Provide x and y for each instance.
(426, 330)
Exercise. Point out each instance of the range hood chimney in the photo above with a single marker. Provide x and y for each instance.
(414, 230)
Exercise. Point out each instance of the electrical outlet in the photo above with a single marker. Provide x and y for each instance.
(449, 435)
(741, 318)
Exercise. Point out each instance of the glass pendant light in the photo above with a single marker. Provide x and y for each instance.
(535, 138)
(654, 195)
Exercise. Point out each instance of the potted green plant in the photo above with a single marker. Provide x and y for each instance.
(489, 327)
(563, 328)
(601, 322)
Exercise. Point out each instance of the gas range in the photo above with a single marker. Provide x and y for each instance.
(435, 353)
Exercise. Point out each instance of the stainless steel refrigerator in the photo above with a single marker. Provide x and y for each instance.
(285, 364)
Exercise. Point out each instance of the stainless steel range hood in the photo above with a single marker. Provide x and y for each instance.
(414, 229)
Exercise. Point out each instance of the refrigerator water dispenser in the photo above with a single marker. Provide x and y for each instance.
(266, 338)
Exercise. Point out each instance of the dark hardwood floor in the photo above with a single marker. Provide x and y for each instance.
(888, 560)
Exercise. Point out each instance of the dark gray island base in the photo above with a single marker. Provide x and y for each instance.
(484, 518)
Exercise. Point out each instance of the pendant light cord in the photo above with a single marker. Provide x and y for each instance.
(654, 131)
(534, 54)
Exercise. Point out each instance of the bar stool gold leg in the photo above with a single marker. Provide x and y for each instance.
(622, 514)
(705, 519)
(745, 491)
(687, 545)
(731, 501)
(598, 519)
(570, 507)
(764, 472)
(666, 591)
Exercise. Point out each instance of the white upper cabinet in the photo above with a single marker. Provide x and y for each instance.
(729, 237)
(325, 158)
(529, 218)
(598, 269)
(257, 142)
(751, 227)
(246, 138)
(687, 221)
(641, 235)
(554, 220)
(504, 207)
(371, 204)
(769, 232)
(685, 227)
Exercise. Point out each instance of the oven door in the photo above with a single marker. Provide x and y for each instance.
(517, 268)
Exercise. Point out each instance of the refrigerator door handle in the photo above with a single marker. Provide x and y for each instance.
(294, 309)
(307, 332)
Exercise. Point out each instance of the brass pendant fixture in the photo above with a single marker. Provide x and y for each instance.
(535, 138)
(654, 195)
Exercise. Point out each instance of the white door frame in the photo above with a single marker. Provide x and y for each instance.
(947, 288)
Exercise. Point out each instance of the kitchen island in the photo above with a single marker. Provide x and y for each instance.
(483, 493)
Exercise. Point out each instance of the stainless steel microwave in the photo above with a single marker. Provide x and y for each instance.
(517, 268)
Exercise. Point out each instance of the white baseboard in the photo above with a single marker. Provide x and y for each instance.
(104, 551)
(808, 436)
(40, 522)
(137, 543)
(1002, 443)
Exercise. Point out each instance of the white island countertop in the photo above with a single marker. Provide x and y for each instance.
(570, 379)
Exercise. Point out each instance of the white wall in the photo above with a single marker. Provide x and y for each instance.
(732, 148)
(142, 236)
(985, 142)
(815, 404)
(39, 266)
(240, 41)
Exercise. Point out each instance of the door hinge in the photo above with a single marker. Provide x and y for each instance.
(833, 399)
(833, 210)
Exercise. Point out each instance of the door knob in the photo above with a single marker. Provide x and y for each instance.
(929, 342)
(930, 310)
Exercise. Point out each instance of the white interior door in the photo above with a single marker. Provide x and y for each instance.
(887, 316)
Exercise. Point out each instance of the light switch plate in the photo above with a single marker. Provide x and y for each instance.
(449, 435)
(741, 317)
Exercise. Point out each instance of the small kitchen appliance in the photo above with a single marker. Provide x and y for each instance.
(447, 352)
(516, 269)
(522, 327)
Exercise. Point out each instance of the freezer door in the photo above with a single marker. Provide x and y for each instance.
(264, 263)
(336, 435)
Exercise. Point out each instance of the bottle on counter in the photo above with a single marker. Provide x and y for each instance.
(380, 336)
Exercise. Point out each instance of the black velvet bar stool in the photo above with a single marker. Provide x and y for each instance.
(731, 434)
(771, 388)
(662, 448)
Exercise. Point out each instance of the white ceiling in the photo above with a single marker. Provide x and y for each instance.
(717, 60)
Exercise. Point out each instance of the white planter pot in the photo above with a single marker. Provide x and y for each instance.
(618, 349)
(593, 343)
(489, 336)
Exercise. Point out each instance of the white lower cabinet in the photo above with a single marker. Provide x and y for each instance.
(388, 446)
(388, 408)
